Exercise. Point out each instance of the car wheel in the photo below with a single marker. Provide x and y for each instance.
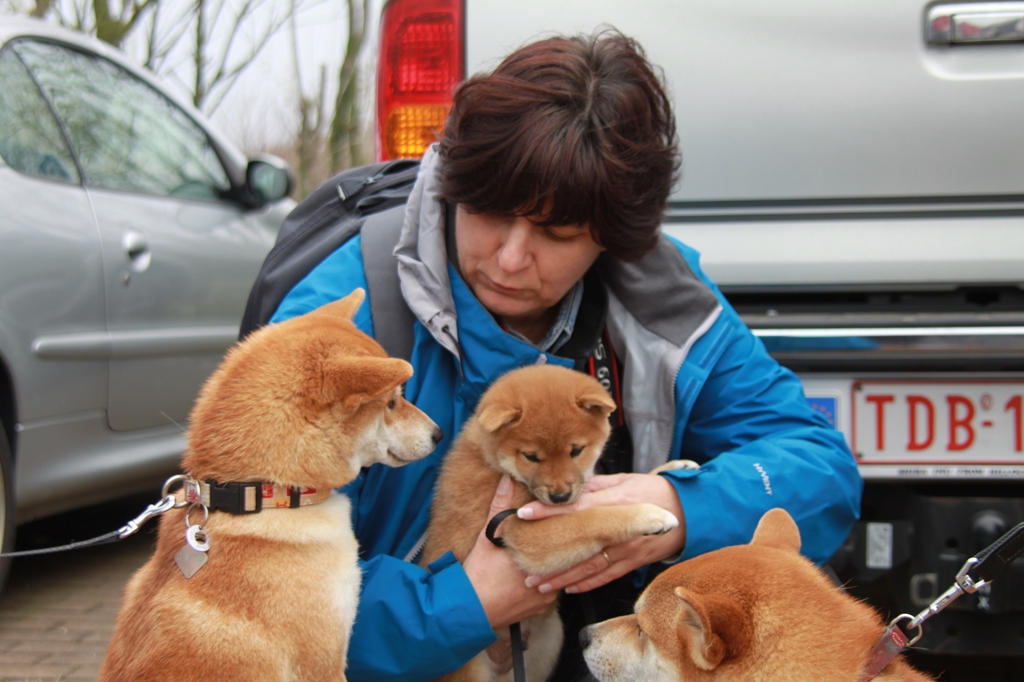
(6, 504)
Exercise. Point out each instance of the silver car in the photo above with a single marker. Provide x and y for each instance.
(130, 234)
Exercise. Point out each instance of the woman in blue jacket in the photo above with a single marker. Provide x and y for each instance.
(532, 235)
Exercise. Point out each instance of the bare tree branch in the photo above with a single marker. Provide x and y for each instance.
(311, 109)
(41, 8)
(81, 11)
(227, 70)
(163, 43)
(199, 54)
(344, 136)
(112, 28)
(232, 34)
(136, 15)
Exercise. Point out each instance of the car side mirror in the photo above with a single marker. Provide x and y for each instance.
(268, 179)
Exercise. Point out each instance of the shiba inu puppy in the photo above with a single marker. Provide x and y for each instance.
(545, 426)
(750, 613)
(299, 406)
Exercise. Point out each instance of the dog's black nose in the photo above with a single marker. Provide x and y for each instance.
(585, 637)
(438, 435)
(560, 497)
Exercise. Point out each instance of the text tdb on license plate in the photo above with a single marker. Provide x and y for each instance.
(938, 422)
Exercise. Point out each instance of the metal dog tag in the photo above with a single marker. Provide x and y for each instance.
(190, 560)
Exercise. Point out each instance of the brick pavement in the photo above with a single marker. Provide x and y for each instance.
(57, 612)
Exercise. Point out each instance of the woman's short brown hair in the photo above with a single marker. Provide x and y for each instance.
(568, 130)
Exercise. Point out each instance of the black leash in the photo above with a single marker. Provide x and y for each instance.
(492, 526)
(518, 663)
(113, 536)
(998, 556)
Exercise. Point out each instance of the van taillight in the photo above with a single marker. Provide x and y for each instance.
(420, 63)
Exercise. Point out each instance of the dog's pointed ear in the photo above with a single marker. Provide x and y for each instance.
(712, 628)
(596, 398)
(346, 307)
(495, 414)
(354, 380)
(777, 529)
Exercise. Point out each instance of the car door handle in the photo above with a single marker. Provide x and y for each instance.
(137, 249)
(981, 22)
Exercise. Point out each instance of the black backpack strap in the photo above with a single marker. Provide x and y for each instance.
(392, 320)
(296, 259)
(319, 225)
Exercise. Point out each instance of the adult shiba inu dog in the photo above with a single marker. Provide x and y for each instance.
(750, 613)
(545, 426)
(297, 408)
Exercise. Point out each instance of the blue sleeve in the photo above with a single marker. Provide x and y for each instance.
(761, 446)
(414, 623)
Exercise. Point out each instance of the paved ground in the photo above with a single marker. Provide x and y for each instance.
(57, 612)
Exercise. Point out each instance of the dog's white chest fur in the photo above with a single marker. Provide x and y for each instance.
(348, 577)
(327, 548)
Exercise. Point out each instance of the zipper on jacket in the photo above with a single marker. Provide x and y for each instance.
(448, 332)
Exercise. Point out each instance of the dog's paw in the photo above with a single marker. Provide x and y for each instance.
(675, 465)
(653, 520)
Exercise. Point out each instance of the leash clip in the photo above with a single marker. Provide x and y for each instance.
(964, 584)
(168, 502)
(149, 512)
(965, 581)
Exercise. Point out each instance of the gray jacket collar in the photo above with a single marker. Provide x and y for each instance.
(422, 256)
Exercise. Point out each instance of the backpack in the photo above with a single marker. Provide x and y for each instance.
(368, 200)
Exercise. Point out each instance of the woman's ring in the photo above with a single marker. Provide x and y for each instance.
(606, 557)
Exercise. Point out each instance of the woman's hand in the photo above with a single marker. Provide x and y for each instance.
(623, 557)
(499, 583)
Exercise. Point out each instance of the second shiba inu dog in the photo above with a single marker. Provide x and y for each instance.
(750, 613)
(545, 426)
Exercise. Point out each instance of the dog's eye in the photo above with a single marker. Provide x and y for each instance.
(392, 403)
(576, 450)
(531, 456)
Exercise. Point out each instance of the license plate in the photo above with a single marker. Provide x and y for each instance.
(938, 422)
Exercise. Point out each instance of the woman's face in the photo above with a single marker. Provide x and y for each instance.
(517, 269)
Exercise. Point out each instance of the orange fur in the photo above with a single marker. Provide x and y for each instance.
(307, 402)
(559, 417)
(751, 613)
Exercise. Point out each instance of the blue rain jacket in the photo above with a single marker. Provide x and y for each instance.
(736, 410)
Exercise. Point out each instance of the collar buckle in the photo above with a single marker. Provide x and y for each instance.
(234, 498)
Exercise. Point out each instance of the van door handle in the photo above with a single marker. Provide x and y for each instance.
(981, 22)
